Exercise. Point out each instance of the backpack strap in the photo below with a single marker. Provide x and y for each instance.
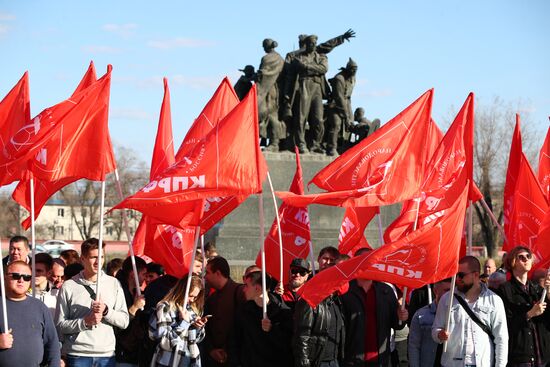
(474, 317)
(90, 291)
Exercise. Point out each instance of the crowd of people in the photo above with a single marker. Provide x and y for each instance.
(494, 317)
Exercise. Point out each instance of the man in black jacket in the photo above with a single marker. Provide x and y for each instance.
(258, 341)
(319, 333)
(370, 312)
(528, 318)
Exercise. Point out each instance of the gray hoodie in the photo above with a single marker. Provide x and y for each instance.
(73, 305)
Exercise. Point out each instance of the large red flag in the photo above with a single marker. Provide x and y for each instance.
(15, 113)
(82, 121)
(227, 163)
(529, 208)
(544, 165)
(446, 174)
(542, 244)
(382, 169)
(44, 189)
(512, 172)
(295, 233)
(222, 102)
(352, 231)
(425, 256)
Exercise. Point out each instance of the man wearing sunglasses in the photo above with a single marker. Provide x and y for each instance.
(299, 273)
(30, 324)
(528, 317)
(478, 333)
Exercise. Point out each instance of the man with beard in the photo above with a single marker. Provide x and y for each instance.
(478, 333)
(299, 273)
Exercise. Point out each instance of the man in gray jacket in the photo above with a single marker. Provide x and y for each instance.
(86, 322)
(468, 344)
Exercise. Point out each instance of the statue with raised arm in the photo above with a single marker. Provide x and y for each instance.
(339, 107)
(267, 78)
(303, 95)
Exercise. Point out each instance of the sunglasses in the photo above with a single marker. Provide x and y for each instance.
(17, 276)
(524, 258)
(462, 274)
(295, 271)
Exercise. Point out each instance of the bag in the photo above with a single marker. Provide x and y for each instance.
(474, 317)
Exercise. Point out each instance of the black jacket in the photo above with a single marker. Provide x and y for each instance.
(521, 341)
(354, 318)
(254, 347)
(311, 330)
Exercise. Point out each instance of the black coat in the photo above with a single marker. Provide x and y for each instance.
(354, 318)
(254, 347)
(521, 341)
(311, 330)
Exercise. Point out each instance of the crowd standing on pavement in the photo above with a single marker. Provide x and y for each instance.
(498, 316)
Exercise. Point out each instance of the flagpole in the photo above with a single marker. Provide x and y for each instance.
(470, 222)
(281, 270)
(311, 258)
(451, 297)
(380, 234)
(4, 311)
(203, 262)
(262, 247)
(100, 248)
(495, 221)
(191, 264)
(128, 236)
(414, 229)
(33, 240)
(543, 297)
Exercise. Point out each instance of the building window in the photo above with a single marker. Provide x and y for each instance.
(59, 230)
(60, 212)
(84, 212)
(109, 231)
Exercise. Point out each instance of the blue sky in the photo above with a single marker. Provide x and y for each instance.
(493, 48)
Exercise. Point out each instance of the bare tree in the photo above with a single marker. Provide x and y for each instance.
(9, 216)
(494, 126)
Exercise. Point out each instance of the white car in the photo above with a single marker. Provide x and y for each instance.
(55, 247)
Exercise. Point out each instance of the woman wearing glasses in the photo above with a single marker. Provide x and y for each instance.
(527, 315)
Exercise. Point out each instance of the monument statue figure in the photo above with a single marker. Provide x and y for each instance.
(267, 79)
(305, 89)
(244, 83)
(339, 107)
(362, 127)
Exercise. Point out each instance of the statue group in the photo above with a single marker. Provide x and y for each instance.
(297, 106)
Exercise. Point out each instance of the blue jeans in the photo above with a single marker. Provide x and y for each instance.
(78, 361)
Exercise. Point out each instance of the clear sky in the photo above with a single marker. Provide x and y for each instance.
(493, 48)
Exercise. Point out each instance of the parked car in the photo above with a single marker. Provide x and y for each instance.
(55, 247)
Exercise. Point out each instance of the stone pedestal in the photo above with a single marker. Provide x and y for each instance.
(238, 236)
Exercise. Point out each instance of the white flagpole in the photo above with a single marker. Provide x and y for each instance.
(4, 311)
(203, 263)
(312, 258)
(191, 264)
(262, 247)
(33, 241)
(470, 226)
(543, 297)
(451, 297)
(128, 236)
(281, 270)
(414, 228)
(430, 298)
(100, 249)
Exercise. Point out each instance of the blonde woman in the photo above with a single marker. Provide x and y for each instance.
(176, 330)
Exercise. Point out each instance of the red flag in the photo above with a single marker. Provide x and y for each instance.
(446, 174)
(541, 250)
(544, 165)
(44, 189)
(295, 233)
(228, 162)
(15, 113)
(404, 223)
(425, 256)
(78, 124)
(529, 208)
(352, 230)
(382, 169)
(512, 172)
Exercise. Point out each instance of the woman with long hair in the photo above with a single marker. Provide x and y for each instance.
(176, 330)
